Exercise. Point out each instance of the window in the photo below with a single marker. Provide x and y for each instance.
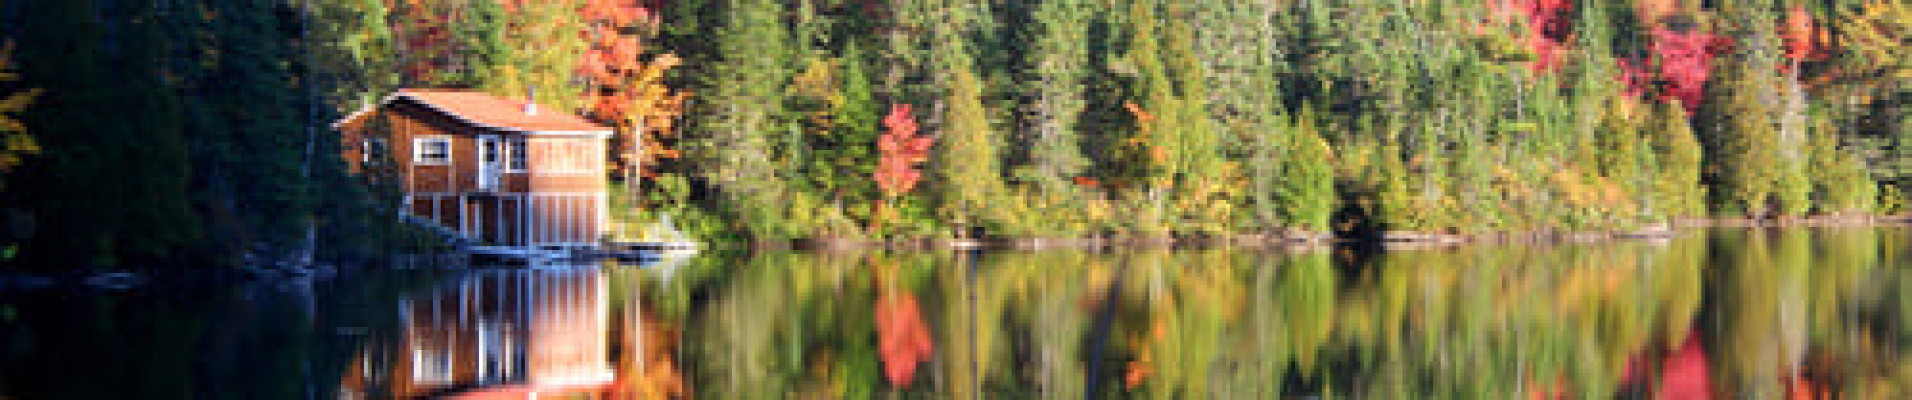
(432, 151)
(375, 151)
(518, 160)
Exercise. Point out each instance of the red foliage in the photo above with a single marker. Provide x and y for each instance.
(1546, 24)
(1686, 62)
(902, 336)
(901, 150)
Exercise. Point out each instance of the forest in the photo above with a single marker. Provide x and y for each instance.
(158, 132)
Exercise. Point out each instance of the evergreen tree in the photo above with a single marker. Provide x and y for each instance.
(1743, 143)
(967, 161)
(1305, 191)
(1678, 189)
(111, 191)
(250, 127)
(734, 145)
(1176, 151)
(354, 53)
(1058, 64)
(1242, 63)
(1840, 181)
(481, 36)
(850, 149)
(543, 52)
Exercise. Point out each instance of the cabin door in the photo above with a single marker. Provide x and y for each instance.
(490, 162)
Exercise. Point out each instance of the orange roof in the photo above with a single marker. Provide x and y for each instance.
(485, 110)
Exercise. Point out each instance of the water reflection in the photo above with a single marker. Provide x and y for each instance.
(1730, 314)
(517, 332)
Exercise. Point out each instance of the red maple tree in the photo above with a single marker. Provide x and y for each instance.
(901, 149)
(1686, 62)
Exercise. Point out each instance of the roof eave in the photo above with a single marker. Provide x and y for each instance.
(441, 110)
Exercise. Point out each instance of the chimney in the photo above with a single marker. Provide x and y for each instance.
(531, 104)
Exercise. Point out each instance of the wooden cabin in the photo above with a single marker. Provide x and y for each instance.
(498, 171)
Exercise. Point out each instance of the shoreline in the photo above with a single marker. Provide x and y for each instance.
(1304, 240)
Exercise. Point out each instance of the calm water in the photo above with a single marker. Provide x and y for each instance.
(1726, 314)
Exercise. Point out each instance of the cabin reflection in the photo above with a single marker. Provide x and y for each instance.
(514, 334)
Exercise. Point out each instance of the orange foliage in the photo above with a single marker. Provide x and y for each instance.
(1804, 38)
(628, 87)
(1142, 117)
(1139, 371)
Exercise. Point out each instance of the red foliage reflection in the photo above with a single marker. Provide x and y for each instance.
(902, 336)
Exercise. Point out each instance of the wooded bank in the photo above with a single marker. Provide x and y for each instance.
(170, 131)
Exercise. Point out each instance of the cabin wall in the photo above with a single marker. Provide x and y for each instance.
(410, 122)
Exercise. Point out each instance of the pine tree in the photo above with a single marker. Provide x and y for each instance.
(1242, 64)
(479, 31)
(1743, 142)
(733, 147)
(1175, 153)
(251, 139)
(354, 52)
(1840, 180)
(117, 187)
(1306, 191)
(1678, 190)
(968, 157)
(1059, 64)
(849, 152)
(542, 52)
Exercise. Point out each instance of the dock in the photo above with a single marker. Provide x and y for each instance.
(629, 252)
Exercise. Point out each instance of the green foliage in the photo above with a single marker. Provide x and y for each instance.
(1051, 117)
(1306, 190)
(117, 187)
(1742, 150)
(1840, 181)
(1677, 188)
(967, 158)
(481, 35)
(1057, 67)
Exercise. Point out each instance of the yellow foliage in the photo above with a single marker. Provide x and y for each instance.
(15, 143)
(1880, 35)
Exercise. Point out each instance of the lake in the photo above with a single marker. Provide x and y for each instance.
(1723, 313)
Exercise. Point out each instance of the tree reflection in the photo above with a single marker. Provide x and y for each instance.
(1728, 314)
